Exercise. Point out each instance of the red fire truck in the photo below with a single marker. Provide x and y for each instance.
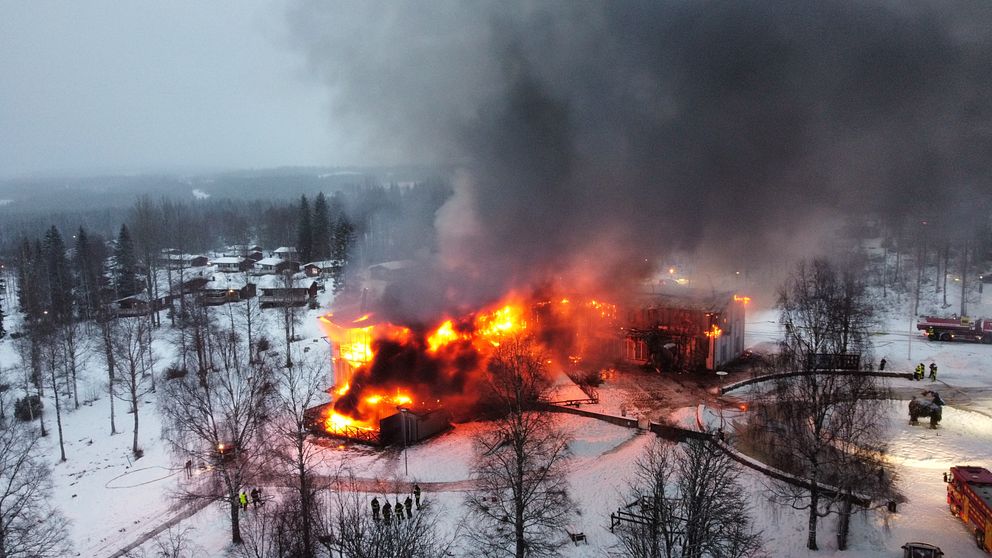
(956, 329)
(969, 495)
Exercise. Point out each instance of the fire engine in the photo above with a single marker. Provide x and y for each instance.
(956, 329)
(969, 495)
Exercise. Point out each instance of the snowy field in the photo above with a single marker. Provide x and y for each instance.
(112, 500)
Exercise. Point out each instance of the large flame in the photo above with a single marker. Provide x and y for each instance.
(381, 367)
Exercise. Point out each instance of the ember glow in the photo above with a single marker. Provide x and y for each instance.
(714, 332)
(380, 367)
(742, 299)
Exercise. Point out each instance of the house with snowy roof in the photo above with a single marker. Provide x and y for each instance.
(232, 264)
(174, 259)
(320, 269)
(251, 251)
(286, 253)
(223, 288)
(275, 266)
(286, 290)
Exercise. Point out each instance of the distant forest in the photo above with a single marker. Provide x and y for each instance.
(390, 211)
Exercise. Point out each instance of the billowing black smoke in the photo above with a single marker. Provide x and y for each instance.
(594, 136)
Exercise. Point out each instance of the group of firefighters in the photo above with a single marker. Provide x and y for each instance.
(920, 369)
(918, 372)
(255, 497)
(401, 510)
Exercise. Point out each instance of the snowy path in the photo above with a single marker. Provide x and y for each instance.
(186, 513)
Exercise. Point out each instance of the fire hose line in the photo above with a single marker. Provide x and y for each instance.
(173, 472)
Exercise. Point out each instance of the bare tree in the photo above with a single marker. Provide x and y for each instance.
(30, 527)
(216, 417)
(299, 388)
(193, 338)
(690, 504)
(655, 533)
(146, 225)
(105, 325)
(521, 504)
(268, 534)
(355, 534)
(134, 368)
(29, 349)
(819, 416)
(69, 337)
(290, 317)
(52, 362)
(252, 320)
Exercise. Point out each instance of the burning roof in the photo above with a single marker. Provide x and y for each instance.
(381, 366)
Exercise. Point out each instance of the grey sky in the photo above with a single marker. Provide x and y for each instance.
(97, 86)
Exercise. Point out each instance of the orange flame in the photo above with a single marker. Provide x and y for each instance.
(443, 336)
(356, 341)
(742, 299)
(714, 332)
(494, 325)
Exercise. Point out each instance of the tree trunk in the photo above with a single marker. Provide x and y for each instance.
(235, 520)
(305, 505)
(814, 505)
(964, 281)
(150, 366)
(70, 359)
(248, 320)
(58, 413)
(947, 257)
(885, 271)
(844, 524)
(168, 276)
(518, 503)
(41, 418)
(897, 278)
(134, 407)
(111, 363)
(919, 279)
(287, 320)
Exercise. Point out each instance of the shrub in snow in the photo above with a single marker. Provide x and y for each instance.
(28, 408)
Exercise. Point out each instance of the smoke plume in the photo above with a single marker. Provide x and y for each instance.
(595, 137)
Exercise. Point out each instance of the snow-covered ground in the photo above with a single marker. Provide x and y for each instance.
(113, 500)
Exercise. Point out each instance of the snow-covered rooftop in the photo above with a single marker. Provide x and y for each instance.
(221, 280)
(228, 260)
(297, 281)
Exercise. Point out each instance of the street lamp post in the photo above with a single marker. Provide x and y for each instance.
(406, 462)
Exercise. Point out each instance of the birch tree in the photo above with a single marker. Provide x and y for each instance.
(521, 504)
(217, 417)
(818, 411)
(134, 368)
(30, 526)
(691, 503)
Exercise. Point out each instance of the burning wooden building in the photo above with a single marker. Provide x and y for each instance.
(397, 425)
(395, 382)
(684, 330)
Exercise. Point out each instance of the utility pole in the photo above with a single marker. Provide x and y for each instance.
(406, 463)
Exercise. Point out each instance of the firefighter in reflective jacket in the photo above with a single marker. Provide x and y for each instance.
(918, 373)
(398, 508)
(375, 508)
(933, 371)
(387, 512)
